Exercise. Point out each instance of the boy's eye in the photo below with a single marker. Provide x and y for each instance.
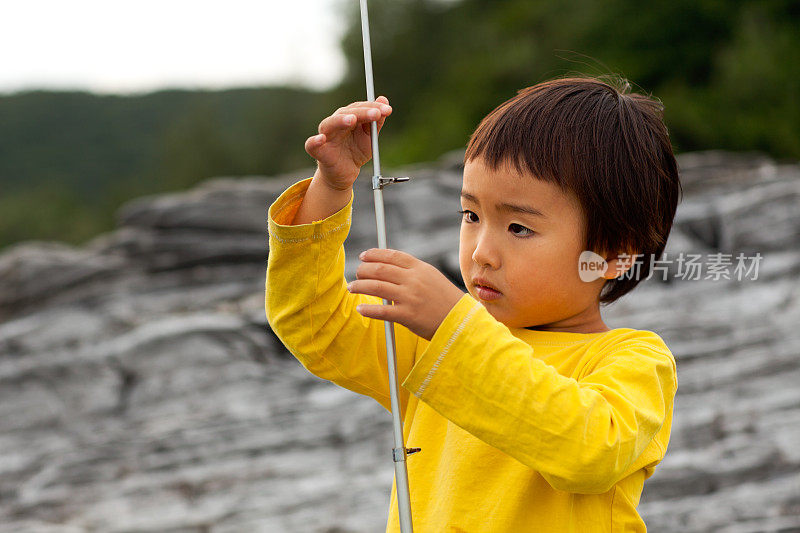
(465, 214)
(524, 232)
(517, 229)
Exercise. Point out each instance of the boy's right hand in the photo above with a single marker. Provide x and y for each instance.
(344, 143)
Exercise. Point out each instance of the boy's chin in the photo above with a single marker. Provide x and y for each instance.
(510, 321)
(499, 315)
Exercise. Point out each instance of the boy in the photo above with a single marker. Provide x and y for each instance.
(531, 413)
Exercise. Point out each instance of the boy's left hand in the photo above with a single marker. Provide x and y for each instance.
(422, 295)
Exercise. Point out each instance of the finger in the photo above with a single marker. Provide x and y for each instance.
(388, 255)
(345, 121)
(380, 312)
(372, 287)
(366, 110)
(381, 271)
(367, 128)
(336, 123)
(313, 143)
(377, 103)
(370, 113)
(380, 123)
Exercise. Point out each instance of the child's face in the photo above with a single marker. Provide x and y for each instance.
(532, 260)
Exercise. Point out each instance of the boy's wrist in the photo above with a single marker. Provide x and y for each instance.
(321, 201)
(322, 180)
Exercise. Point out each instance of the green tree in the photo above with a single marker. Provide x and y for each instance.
(724, 69)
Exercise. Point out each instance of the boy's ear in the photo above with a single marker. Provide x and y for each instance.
(618, 264)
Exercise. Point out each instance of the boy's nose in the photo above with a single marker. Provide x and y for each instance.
(485, 255)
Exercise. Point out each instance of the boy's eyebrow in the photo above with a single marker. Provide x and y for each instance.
(508, 207)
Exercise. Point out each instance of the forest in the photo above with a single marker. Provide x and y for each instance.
(726, 72)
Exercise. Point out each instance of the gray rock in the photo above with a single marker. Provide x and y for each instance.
(142, 391)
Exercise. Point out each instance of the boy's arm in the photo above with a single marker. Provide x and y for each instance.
(582, 435)
(308, 305)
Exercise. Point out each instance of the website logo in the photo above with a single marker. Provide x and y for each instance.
(591, 266)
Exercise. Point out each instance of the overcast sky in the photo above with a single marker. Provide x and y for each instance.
(121, 46)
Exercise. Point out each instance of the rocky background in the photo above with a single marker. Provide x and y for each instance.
(141, 389)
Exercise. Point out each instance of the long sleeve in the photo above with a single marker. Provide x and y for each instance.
(582, 435)
(312, 313)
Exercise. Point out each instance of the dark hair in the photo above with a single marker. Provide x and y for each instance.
(607, 146)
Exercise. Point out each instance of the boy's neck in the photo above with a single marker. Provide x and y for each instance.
(587, 321)
(601, 329)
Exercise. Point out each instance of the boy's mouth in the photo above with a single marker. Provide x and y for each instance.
(479, 282)
(485, 293)
(485, 290)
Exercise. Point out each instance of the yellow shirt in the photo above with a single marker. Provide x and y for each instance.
(520, 430)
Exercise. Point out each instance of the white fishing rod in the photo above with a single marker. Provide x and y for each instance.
(399, 452)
